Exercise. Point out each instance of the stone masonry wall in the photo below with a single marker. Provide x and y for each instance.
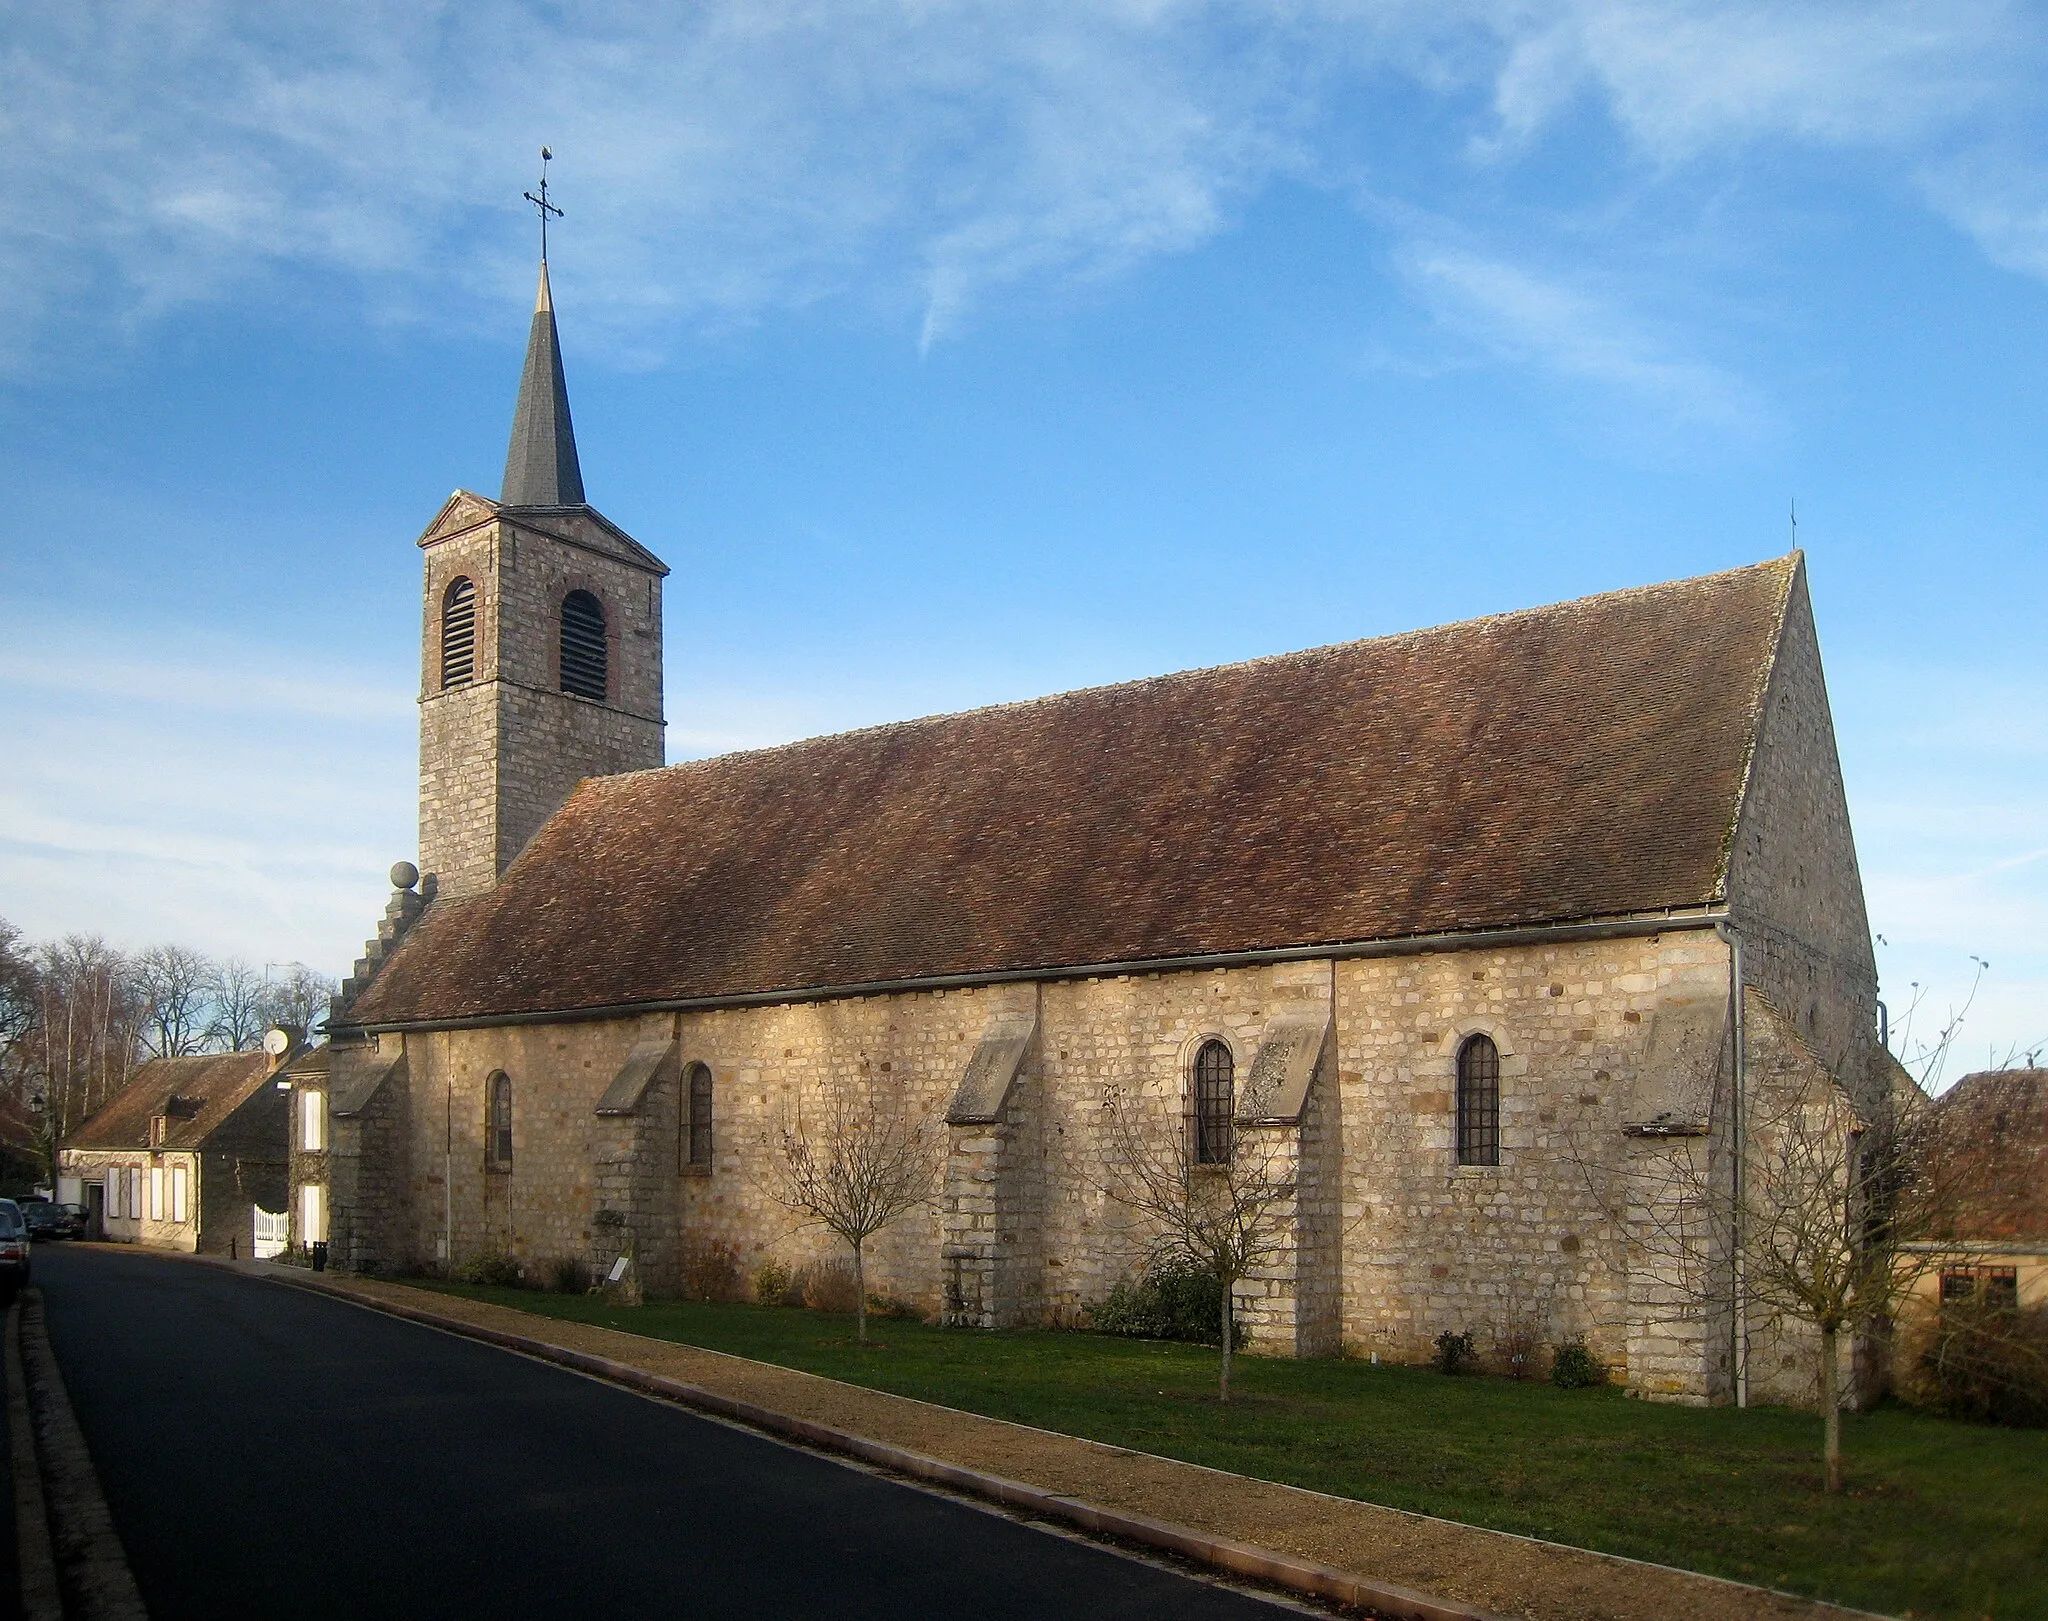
(1393, 1242)
(499, 755)
(374, 1197)
(549, 740)
(1529, 1245)
(1795, 894)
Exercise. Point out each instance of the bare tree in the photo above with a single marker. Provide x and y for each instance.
(854, 1166)
(1826, 1217)
(19, 1007)
(299, 999)
(241, 1011)
(173, 982)
(1925, 1057)
(1224, 1219)
(86, 1035)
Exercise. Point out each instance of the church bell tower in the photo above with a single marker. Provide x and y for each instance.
(540, 654)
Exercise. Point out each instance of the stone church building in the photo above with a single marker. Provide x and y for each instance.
(1453, 922)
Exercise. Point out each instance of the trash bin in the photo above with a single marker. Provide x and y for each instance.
(319, 1255)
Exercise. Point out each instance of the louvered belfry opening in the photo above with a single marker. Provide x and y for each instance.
(458, 634)
(584, 659)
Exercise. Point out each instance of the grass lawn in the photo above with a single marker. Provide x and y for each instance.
(1940, 1519)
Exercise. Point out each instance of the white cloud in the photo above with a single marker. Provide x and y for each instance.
(1518, 315)
(728, 159)
(186, 788)
(1686, 77)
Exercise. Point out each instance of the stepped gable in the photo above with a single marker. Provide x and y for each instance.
(206, 1089)
(1571, 762)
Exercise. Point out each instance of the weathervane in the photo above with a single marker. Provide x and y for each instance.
(540, 201)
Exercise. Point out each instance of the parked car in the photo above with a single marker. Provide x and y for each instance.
(13, 1249)
(46, 1220)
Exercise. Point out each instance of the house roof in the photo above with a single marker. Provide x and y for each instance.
(1998, 1119)
(213, 1087)
(1575, 762)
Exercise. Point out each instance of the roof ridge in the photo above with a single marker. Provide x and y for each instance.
(1788, 564)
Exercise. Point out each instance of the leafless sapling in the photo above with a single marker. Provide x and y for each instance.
(854, 1165)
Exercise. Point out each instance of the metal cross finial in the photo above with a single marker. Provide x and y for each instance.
(540, 202)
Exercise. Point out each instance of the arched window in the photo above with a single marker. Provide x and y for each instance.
(1478, 1102)
(584, 658)
(1214, 1104)
(498, 1124)
(697, 1124)
(458, 634)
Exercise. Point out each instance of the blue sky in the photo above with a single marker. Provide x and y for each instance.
(952, 353)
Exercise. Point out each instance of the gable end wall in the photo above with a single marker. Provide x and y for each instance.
(1795, 894)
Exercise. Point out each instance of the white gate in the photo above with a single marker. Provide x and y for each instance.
(272, 1233)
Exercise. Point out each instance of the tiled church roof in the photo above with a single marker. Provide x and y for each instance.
(197, 1093)
(1571, 762)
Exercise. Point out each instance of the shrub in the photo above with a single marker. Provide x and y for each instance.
(567, 1275)
(1987, 1363)
(773, 1284)
(903, 1311)
(711, 1271)
(1455, 1352)
(829, 1286)
(1574, 1367)
(1516, 1348)
(494, 1268)
(1170, 1302)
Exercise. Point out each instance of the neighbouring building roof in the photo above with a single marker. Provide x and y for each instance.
(206, 1091)
(1998, 1121)
(1572, 762)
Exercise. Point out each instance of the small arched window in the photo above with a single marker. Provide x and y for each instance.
(584, 656)
(697, 1125)
(498, 1124)
(1214, 1104)
(1478, 1102)
(458, 633)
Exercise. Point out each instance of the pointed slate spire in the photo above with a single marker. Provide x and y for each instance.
(540, 467)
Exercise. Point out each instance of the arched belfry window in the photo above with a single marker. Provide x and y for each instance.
(697, 1123)
(458, 633)
(1478, 1102)
(1215, 1102)
(498, 1122)
(584, 657)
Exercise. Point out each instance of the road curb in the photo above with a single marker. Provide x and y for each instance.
(1305, 1576)
(41, 1599)
(91, 1566)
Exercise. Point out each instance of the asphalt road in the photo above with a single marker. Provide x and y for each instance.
(266, 1452)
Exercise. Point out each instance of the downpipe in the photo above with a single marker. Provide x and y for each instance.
(1739, 1132)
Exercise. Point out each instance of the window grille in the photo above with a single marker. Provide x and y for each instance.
(500, 1122)
(1214, 1104)
(699, 1122)
(458, 634)
(584, 657)
(1995, 1288)
(1479, 1102)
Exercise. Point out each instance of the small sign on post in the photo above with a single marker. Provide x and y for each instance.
(618, 1270)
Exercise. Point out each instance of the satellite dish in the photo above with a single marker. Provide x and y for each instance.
(277, 1042)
